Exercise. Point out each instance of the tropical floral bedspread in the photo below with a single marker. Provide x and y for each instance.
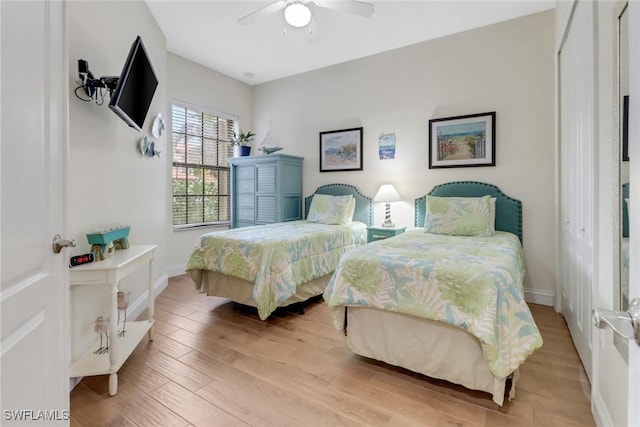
(474, 283)
(275, 257)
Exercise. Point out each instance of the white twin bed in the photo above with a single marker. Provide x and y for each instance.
(276, 265)
(447, 306)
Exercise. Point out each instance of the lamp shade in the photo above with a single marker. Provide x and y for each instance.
(387, 193)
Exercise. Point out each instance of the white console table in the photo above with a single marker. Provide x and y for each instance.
(109, 272)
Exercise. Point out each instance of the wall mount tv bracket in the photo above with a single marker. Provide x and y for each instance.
(90, 84)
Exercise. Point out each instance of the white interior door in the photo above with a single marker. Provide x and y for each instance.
(577, 177)
(34, 288)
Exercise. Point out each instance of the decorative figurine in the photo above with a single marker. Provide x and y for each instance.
(269, 150)
(102, 327)
(123, 303)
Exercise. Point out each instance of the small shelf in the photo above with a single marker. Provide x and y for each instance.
(98, 364)
(109, 273)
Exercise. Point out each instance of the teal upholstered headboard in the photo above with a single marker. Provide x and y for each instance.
(625, 210)
(508, 209)
(363, 212)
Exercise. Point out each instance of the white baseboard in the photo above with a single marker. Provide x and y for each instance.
(140, 304)
(73, 382)
(176, 270)
(599, 410)
(539, 297)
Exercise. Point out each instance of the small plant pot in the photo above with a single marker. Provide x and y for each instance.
(242, 150)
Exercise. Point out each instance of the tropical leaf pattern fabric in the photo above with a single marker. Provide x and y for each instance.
(275, 257)
(327, 209)
(474, 283)
(460, 216)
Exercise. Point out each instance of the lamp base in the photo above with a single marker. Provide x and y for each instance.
(388, 224)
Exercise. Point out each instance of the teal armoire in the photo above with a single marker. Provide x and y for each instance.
(265, 189)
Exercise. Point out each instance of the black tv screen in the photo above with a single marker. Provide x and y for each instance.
(136, 86)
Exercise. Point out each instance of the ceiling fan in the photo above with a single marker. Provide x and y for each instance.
(297, 12)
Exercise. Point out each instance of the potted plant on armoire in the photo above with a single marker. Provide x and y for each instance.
(242, 143)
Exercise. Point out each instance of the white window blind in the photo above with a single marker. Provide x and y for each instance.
(201, 176)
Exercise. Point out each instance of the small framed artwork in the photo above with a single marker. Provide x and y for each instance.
(462, 141)
(625, 128)
(341, 150)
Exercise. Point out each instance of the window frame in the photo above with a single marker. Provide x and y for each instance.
(174, 163)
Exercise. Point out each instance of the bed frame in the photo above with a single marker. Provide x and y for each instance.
(428, 347)
(508, 209)
(241, 291)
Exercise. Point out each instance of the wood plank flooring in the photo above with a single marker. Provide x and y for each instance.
(214, 363)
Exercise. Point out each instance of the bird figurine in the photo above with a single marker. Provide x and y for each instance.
(123, 304)
(102, 327)
(268, 150)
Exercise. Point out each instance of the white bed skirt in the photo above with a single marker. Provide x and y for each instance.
(431, 348)
(241, 291)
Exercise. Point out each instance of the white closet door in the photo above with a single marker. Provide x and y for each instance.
(577, 175)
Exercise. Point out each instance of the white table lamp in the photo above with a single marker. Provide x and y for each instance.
(387, 193)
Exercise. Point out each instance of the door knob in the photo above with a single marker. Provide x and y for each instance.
(59, 243)
(626, 324)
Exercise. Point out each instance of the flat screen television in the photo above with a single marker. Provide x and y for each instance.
(136, 86)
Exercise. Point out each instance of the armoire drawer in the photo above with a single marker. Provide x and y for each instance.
(246, 200)
(246, 214)
(246, 186)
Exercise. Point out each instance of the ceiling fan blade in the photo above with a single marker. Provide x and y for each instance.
(262, 12)
(355, 7)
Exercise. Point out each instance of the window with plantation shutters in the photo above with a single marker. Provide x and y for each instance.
(201, 175)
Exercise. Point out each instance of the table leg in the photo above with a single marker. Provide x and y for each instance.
(151, 305)
(113, 384)
(113, 327)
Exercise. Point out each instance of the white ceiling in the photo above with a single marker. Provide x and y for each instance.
(208, 32)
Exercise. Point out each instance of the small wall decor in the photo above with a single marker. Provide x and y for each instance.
(387, 146)
(341, 150)
(148, 147)
(462, 141)
(157, 128)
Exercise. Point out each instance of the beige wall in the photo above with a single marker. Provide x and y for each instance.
(110, 182)
(506, 67)
(202, 87)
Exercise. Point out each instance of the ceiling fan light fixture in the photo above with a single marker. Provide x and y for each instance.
(297, 14)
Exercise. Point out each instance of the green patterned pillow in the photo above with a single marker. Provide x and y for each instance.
(326, 209)
(460, 216)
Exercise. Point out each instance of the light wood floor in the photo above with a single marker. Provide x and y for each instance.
(213, 363)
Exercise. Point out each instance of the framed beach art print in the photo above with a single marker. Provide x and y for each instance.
(462, 141)
(341, 150)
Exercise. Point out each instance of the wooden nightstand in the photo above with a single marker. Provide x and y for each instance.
(380, 233)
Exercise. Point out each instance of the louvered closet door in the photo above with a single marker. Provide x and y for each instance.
(266, 193)
(577, 169)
